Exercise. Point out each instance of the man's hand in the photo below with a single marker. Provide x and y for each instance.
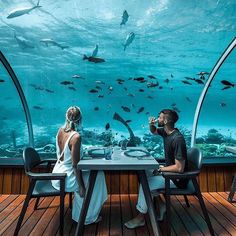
(152, 120)
(157, 171)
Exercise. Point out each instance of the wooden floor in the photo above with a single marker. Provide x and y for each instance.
(117, 210)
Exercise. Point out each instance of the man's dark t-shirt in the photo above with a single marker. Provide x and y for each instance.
(175, 148)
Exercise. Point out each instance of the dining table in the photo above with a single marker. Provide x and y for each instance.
(114, 158)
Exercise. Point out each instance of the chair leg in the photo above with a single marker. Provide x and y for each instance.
(232, 190)
(70, 200)
(24, 208)
(62, 199)
(36, 203)
(168, 209)
(202, 204)
(186, 201)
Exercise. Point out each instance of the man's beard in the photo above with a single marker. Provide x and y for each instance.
(160, 124)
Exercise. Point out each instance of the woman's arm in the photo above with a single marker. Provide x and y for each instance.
(75, 156)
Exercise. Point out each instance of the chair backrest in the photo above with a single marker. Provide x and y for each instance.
(194, 156)
(31, 158)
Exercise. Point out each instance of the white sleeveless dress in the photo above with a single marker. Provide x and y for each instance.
(99, 195)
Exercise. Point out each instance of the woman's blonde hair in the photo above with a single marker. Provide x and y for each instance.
(73, 118)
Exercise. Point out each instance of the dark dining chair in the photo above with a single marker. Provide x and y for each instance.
(194, 156)
(40, 185)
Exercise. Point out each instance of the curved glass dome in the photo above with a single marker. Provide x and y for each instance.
(117, 60)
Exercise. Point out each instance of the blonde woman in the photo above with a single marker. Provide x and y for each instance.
(69, 153)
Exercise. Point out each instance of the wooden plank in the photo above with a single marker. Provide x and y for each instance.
(9, 224)
(16, 181)
(108, 181)
(103, 226)
(34, 218)
(225, 203)
(184, 216)
(211, 179)
(7, 202)
(133, 182)
(7, 181)
(229, 173)
(1, 180)
(115, 182)
(218, 228)
(126, 214)
(220, 183)
(45, 219)
(54, 224)
(3, 197)
(203, 180)
(225, 196)
(124, 182)
(214, 210)
(115, 217)
(195, 216)
(24, 183)
(8, 209)
(221, 206)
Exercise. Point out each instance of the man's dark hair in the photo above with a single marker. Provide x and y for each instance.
(171, 115)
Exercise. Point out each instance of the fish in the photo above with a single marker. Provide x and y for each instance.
(152, 85)
(222, 104)
(150, 97)
(227, 83)
(160, 87)
(72, 88)
(167, 81)
(120, 80)
(22, 11)
(107, 126)
(226, 87)
(151, 76)
(125, 18)
(95, 51)
(76, 76)
(66, 82)
(141, 90)
(189, 78)
(2, 80)
(49, 91)
(203, 73)
(139, 79)
(171, 76)
(186, 82)
(199, 81)
(128, 121)
(173, 104)
(100, 96)
(130, 95)
(110, 88)
(129, 39)
(176, 109)
(147, 113)
(39, 88)
(98, 87)
(93, 91)
(37, 107)
(22, 42)
(126, 109)
(188, 99)
(125, 89)
(141, 109)
(48, 42)
(93, 59)
(99, 82)
(96, 108)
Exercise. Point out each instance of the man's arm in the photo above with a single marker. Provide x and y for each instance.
(177, 167)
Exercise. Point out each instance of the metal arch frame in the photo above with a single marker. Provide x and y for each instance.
(22, 97)
(215, 69)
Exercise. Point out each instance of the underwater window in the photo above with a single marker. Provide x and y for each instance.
(217, 121)
(120, 62)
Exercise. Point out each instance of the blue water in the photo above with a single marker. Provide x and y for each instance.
(173, 40)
